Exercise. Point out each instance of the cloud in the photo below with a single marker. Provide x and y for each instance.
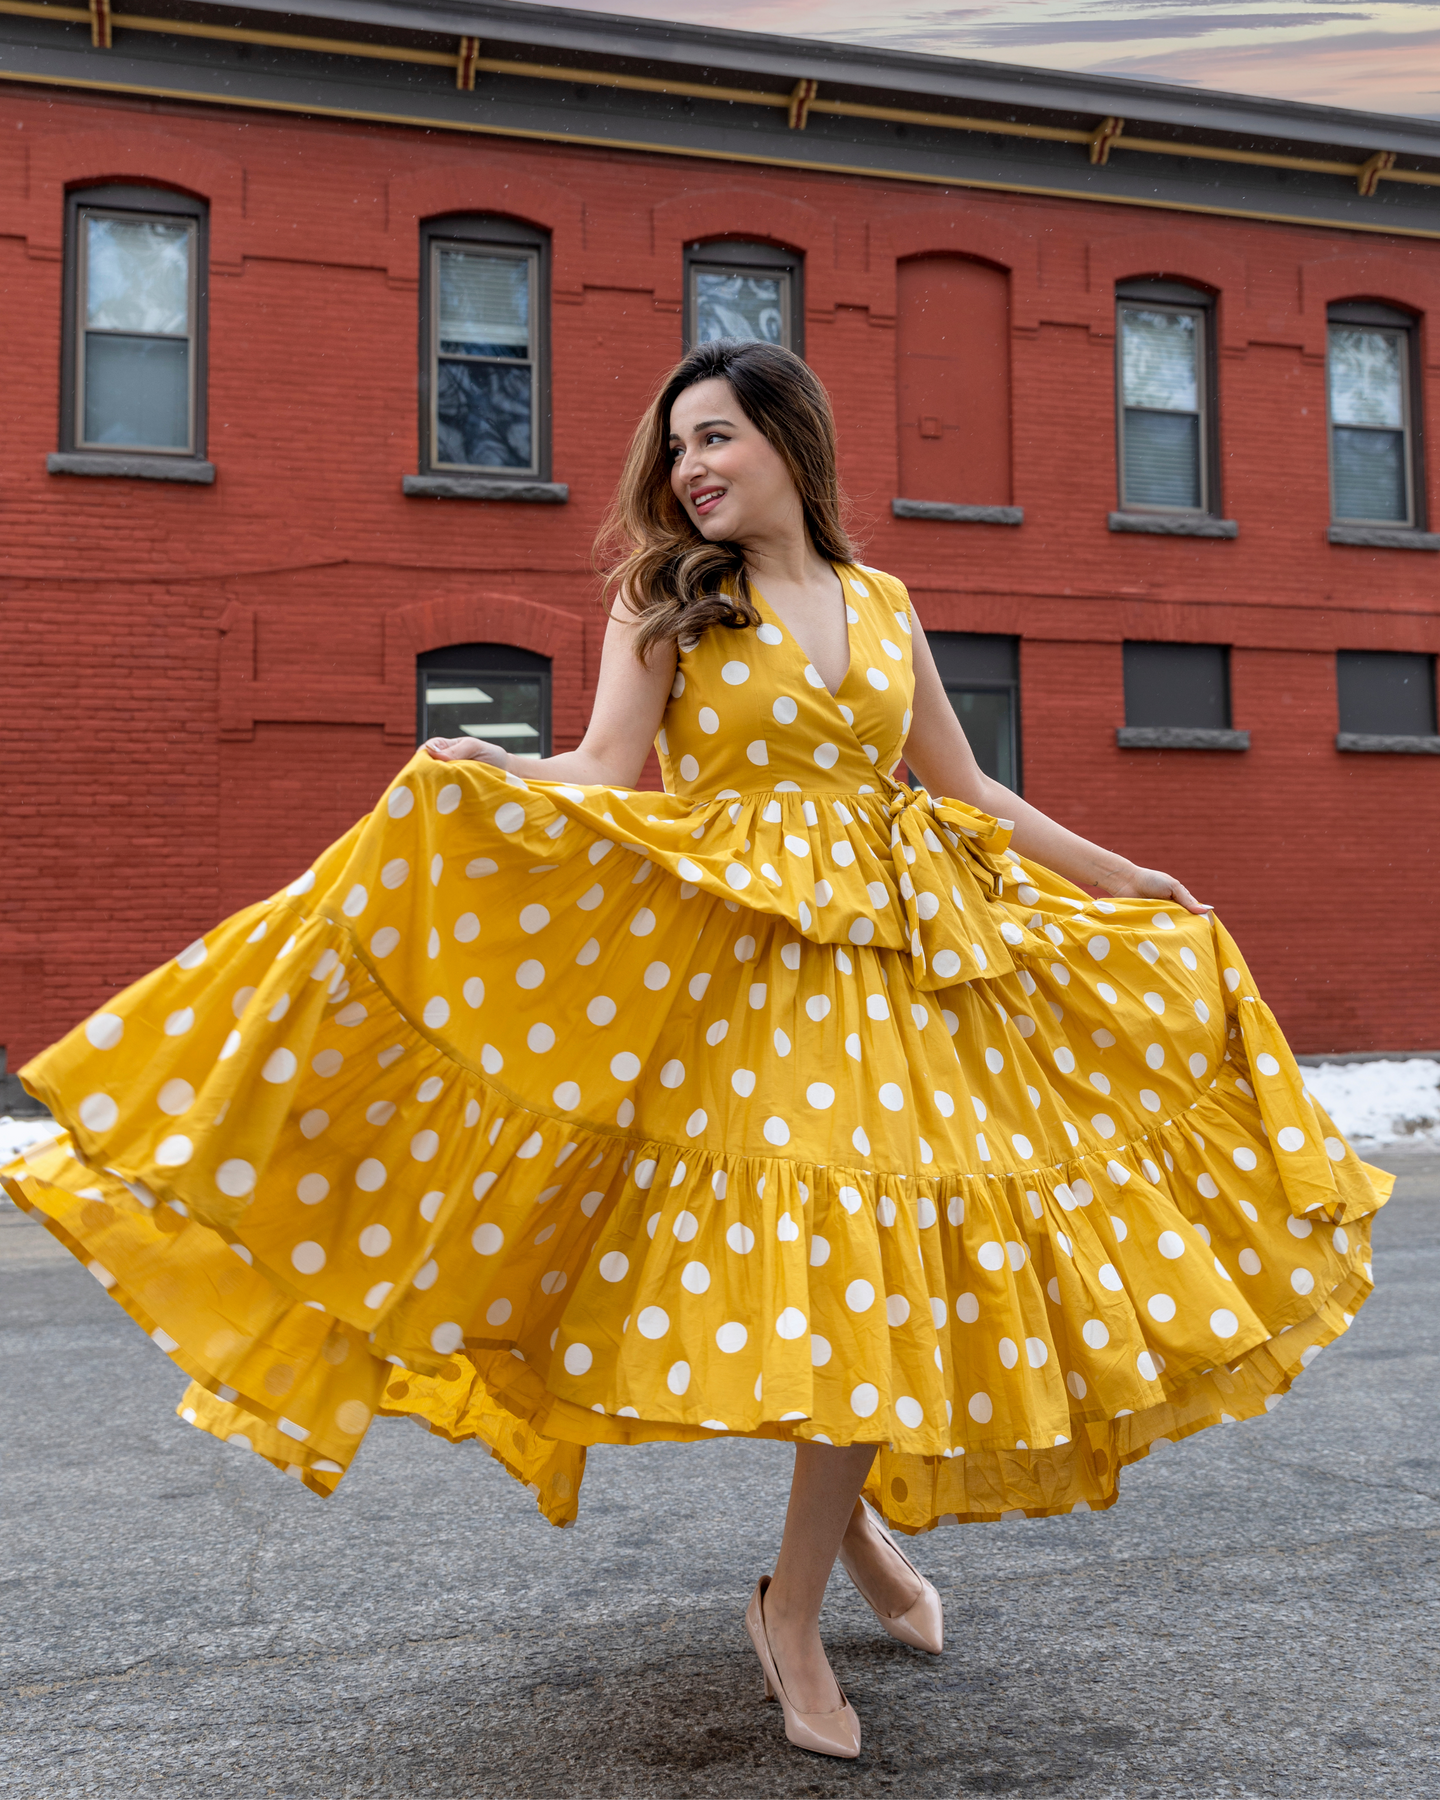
(1376, 56)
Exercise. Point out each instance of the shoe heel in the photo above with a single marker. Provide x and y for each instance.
(769, 1691)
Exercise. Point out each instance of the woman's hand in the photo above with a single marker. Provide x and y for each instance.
(467, 749)
(1153, 884)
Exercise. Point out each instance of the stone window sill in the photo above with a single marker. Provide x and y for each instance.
(1174, 525)
(136, 467)
(1382, 745)
(1384, 537)
(485, 487)
(956, 514)
(1179, 737)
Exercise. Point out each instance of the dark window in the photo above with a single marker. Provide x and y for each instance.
(484, 349)
(1186, 685)
(981, 675)
(739, 290)
(1165, 388)
(491, 691)
(1371, 373)
(953, 330)
(133, 364)
(1386, 693)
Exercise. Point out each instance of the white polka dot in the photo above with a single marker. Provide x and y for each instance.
(498, 1312)
(980, 1408)
(174, 1152)
(308, 1258)
(1266, 1064)
(1145, 1363)
(486, 1240)
(1108, 1278)
(743, 1082)
(860, 1296)
(740, 1238)
(1170, 1244)
(946, 964)
(235, 1177)
(864, 1399)
(578, 1358)
(653, 1322)
(991, 1255)
(1290, 1137)
(509, 817)
(891, 1097)
(98, 1112)
(625, 1066)
(826, 755)
(791, 1323)
(194, 954)
(1302, 1281)
(776, 1131)
(695, 1278)
(105, 1030)
(1224, 1323)
(1160, 1307)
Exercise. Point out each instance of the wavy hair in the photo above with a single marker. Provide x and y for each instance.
(678, 582)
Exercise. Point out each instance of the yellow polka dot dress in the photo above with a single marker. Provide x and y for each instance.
(785, 1103)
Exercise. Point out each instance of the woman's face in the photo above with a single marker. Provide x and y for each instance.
(724, 472)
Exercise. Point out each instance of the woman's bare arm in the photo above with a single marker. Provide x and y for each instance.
(629, 704)
(939, 753)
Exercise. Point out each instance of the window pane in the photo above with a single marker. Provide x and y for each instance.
(484, 304)
(987, 720)
(137, 391)
(1160, 359)
(483, 415)
(509, 710)
(1370, 475)
(1162, 459)
(137, 275)
(1389, 693)
(1367, 372)
(739, 306)
(1177, 685)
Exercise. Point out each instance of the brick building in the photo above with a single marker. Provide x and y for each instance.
(325, 334)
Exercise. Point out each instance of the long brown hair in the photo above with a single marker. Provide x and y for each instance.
(649, 549)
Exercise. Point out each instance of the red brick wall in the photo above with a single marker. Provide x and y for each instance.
(205, 685)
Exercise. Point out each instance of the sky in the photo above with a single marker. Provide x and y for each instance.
(1375, 55)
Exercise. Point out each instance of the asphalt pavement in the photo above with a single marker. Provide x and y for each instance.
(1256, 1617)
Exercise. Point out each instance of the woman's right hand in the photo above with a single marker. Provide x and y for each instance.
(468, 749)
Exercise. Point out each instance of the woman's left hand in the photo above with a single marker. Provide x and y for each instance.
(1155, 884)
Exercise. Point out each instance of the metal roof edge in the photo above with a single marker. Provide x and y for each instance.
(715, 49)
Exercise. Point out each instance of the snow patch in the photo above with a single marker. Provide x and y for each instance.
(1381, 1102)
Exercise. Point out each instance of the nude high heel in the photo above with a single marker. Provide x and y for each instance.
(922, 1624)
(829, 1733)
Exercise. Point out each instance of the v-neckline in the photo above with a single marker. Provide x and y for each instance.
(809, 660)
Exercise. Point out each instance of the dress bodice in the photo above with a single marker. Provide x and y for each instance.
(749, 712)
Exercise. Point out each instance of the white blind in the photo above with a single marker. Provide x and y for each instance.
(484, 299)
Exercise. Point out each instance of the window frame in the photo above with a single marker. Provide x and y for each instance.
(1173, 297)
(1381, 316)
(747, 256)
(136, 201)
(510, 236)
(1227, 721)
(1348, 660)
(950, 641)
(482, 662)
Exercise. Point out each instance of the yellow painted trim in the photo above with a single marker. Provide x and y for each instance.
(425, 122)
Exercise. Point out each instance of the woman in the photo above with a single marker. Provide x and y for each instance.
(791, 1102)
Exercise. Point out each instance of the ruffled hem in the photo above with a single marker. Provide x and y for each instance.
(290, 1353)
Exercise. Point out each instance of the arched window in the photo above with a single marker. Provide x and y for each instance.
(1374, 414)
(1165, 380)
(492, 691)
(954, 381)
(485, 348)
(743, 290)
(133, 370)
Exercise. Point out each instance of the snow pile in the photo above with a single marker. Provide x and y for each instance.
(1381, 1102)
(16, 1134)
